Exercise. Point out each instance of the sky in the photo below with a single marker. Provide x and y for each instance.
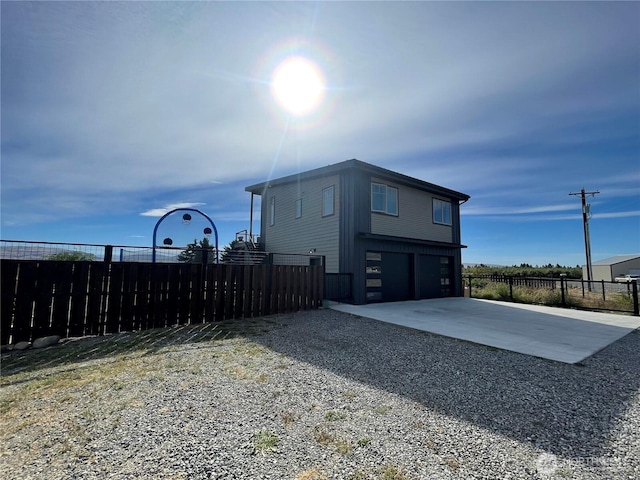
(114, 113)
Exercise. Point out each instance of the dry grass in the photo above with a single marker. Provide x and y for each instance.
(311, 474)
(542, 296)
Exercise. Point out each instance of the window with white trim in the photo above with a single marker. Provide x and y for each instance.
(328, 198)
(441, 212)
(384, 199)
(272, 211)
(299, 208)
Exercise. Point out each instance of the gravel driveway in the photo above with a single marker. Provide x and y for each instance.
(315, 395)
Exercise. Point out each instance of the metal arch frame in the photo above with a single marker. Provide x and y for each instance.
(155, 229)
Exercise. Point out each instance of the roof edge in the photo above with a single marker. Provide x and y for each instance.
(332, 169)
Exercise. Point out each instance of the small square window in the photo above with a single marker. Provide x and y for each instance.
(384, 199)
(328, 198)
(441, 212)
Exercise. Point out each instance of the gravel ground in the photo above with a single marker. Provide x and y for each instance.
(315, 395)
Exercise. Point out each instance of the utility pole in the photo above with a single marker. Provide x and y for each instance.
(586, 215)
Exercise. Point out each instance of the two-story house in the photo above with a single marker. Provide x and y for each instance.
(398, 236)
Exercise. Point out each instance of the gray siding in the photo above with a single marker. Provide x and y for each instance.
(415, 217)
(312, 230)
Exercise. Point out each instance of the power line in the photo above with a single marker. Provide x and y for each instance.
(586, 215)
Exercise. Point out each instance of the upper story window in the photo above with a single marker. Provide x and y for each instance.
(299, 208)
(384, 199)
(272, 211)
(441, 212)
(328, 197)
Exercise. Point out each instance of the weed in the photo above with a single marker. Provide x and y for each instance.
(452, 463)
(311, 474)
(265, 441)
(430, 444)
(382, 409)
(333, 415)
(363, 442)
(343, 446)
(358, 475)
(391, 472)
(6, 404)
(322, 436)
(288, 418)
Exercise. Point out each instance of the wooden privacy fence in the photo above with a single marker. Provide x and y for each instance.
(80, 298)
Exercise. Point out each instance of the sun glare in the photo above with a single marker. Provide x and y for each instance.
(298, 85)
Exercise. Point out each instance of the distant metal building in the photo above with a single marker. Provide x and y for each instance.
(610, 268)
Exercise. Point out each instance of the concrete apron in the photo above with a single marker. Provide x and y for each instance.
(558, 334)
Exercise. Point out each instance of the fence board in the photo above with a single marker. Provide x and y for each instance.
(127, 312)
(184, 289)
(162, 286)
(94, 309)
(209, 313)
(116, 281)
(43, 298)
(173, 295)
(62, 298)
(79, 297)
(247, 290)
(8, 280)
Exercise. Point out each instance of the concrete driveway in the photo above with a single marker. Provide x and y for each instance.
(557, 334)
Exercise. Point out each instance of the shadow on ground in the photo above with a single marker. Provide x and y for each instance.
(569, 410)
(71, 352)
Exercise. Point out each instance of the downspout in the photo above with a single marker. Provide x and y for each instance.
(251, 220)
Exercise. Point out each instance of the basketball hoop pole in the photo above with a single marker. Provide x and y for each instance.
(155, 229)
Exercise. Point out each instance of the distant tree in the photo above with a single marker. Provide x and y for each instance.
(72, 256)
(193, 252)
(526, 270)
(227, 255)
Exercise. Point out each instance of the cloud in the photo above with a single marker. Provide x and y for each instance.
(556, 218)
(158, 212)
(632, 213)
(489, 210)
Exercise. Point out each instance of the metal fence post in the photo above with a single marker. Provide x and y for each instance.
(634, 289)
(511, 288)
(108, 256)
(604, 298)
(562, 291)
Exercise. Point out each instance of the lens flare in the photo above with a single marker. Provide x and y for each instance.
(298, 85)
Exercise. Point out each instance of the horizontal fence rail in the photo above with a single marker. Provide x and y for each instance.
(583, 294)
(78, 298)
